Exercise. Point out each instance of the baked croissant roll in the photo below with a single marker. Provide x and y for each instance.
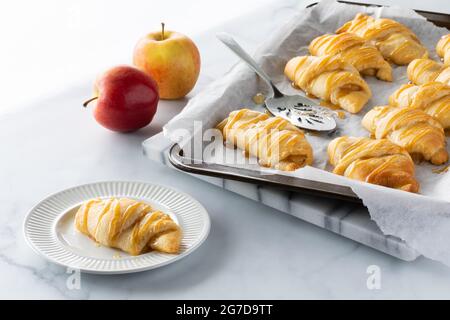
(443, 49)
(354, 50)
(421, 71)
(419, 133)
(396, 42)
(431, 97)
(274, 141)
(129, 225)
(331, 79)
(374, 161)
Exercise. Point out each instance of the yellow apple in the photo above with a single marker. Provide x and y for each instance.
(172, 59)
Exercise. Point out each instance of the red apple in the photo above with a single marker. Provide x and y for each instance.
(172, 59)
(126, 99)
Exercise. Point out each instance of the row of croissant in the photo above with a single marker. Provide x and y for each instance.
(411, 127)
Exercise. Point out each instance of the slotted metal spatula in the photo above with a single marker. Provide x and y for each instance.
(297, 109)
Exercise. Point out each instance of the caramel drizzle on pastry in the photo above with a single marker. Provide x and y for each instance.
(396, 42)
(421, 71)
(374, 161)
(129, 225)
(419, 133)
(331, 79)
(354, 50)
(432, 97)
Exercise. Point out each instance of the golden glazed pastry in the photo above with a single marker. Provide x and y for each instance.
(419, 133)
(374, 161)
(396, 42)
(421, 71)
(443, 49)
(356, 51)
(331, 79)
(431, 97)
(129, 225)
(274, 141)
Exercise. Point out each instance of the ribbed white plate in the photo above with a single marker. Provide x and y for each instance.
(49, 227)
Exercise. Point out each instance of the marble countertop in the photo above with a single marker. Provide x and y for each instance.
(252, 252)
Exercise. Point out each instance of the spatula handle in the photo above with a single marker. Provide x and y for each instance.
(228, 40)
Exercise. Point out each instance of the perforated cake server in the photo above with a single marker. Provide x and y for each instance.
(297, 109)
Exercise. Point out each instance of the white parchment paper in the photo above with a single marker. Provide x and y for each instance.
(423, 220)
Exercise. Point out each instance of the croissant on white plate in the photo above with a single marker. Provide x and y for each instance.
(127, 224)
(431, 97)
(273, 140)
(330, 79)
(421, 71)
(379, 162)
(443, 49)
(354, 50)
(396, 42)
(419, 133)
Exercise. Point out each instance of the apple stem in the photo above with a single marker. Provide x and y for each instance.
(85, 104)
(162, 30)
